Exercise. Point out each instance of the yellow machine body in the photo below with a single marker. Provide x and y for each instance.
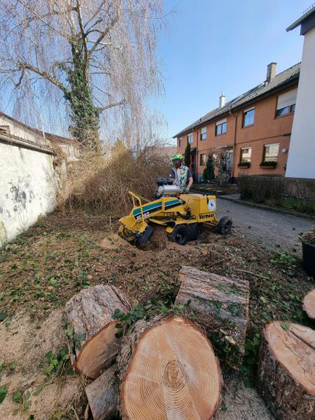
(168, 211)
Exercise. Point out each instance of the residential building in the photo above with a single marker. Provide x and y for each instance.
(301, 162)
(252, 131)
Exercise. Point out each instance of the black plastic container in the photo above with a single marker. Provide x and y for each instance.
(308, 252)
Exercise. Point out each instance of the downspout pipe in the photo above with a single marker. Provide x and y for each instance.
(234, 141)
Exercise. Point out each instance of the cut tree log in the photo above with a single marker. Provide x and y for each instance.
(286, 371)
(102, 395)
(92, 341)
(220, 305)
(168, 370)
(309, 304)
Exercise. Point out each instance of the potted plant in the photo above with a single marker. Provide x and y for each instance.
(269, 165)
(244, 164)
(308, 252)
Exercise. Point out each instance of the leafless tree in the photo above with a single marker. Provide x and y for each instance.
(99, 54)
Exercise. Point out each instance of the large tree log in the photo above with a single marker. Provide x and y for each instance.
(309, 304)
(220, 305)
(102, 395)
(168, 370)
(93, 345)
(286, 373)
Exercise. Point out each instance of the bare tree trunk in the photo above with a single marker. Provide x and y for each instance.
(220, 305)
(102, 395)
(167, 369)
(309, 304)
(93, 345)
(286, 373)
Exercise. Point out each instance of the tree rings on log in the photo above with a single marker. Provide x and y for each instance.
(171, 372)
(92, 341)
(286, 373)
(220, 304)
(309, 304)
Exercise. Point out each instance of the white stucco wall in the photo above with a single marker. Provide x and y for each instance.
(301, 159)
(22, 131)
(28, 189)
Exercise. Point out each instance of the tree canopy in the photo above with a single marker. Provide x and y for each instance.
(99, 54)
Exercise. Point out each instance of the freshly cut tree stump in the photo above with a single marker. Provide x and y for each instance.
(220, 305)
(92, 343)
(102, 395)
(309, 304)
(168, 370)
(286, 373)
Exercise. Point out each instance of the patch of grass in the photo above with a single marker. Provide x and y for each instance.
(299, 205)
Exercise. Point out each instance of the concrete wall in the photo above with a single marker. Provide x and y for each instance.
(28, 188)
(301, 162)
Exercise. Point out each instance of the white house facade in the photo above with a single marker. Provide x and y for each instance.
(301, 160)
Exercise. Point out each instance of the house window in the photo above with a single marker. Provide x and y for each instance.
(190, 138)
(246, 154)
(203, 135)
(220, 127)
(286, 103)
(248, 117)
(203, 160)
(271, 152)
(180, 140)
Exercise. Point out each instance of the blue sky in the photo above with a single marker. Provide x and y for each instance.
(215, 45)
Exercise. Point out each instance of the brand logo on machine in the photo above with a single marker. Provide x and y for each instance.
(205, 216)
(211, 205)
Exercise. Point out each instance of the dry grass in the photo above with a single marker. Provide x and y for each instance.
(98, 183)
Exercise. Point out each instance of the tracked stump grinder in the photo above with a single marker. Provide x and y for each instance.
(180, 213)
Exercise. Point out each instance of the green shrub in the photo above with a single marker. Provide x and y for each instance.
(187, 155)
(261, 188)
(205, 175)
(210, 167)
(271, 163)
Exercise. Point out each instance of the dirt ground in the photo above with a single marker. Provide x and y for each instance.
(62, 254)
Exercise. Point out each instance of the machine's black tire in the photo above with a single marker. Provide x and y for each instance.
(180, 235)
(224, 225)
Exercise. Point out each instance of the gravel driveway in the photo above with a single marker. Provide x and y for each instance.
(267, 228)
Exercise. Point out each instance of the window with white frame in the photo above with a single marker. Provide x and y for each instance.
(190, 138)
(203, 135)
(220, 127)
(180, 141)
(202, 160)
(286, 103)
(271, 152)
(246, 154)
(248, 117)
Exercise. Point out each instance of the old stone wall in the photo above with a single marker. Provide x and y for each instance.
(28, 188)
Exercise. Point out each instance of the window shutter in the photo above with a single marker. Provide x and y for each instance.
(287, 99)
(204, 130)
(221, 121)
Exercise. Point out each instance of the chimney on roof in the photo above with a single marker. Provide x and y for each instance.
(222, 100)
(271, 72)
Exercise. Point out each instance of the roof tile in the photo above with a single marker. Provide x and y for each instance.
(282, 78)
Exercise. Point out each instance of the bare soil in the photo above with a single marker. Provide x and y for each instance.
(63, 253)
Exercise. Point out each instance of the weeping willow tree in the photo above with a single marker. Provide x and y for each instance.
(99, 55)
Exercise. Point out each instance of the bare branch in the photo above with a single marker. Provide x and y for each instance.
(105, 33)
(123, 102)
(44, 75)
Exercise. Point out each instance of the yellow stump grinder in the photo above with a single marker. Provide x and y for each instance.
(180, 213)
